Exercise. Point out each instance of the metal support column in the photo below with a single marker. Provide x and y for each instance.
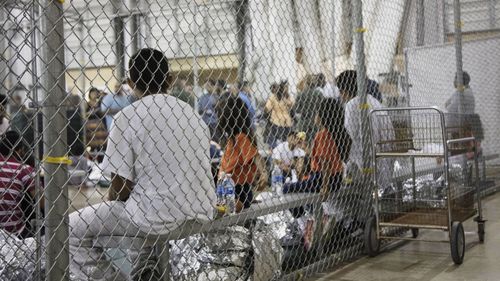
(55, 145)
(420, 23)
(492, 13)
(135, 29)
(35, 21)
(361, 78)
(458, 55)
(4, 70)
(241, 23)
(358, 31)
(119, 28)
(196, 31)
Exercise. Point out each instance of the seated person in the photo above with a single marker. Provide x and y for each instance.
(241, 158)
(285, 153)
(17, 186)
(330, 148)
(158, 159)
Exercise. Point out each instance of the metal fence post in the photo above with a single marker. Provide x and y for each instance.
(458, 54)
(35, 13)
(119, 28)
(492, 13)
(420, 23)
(55, 147)
(241, 23)
(4, 70)
(359, 30)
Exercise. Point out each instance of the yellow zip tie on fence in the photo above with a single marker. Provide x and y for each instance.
(64, 160)
(364, 106)
(360, 30)
(348, 180)
(61, 1)
(367, 171)
(460, 24)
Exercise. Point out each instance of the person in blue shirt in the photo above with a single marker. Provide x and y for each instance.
(206, 108)
(245, 94)
(113, 103)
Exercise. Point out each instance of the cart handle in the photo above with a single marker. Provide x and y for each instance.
(468, 139)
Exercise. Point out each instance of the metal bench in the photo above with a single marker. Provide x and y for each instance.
(161, 246)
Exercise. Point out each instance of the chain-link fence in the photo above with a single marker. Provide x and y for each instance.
(225, 139)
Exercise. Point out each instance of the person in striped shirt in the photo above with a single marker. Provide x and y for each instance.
(17, 186)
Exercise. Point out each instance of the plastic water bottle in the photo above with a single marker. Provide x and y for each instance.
(220, 197)
(229, 191)
(221, 201)
(277, 181)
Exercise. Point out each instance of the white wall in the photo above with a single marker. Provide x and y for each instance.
(431, 71)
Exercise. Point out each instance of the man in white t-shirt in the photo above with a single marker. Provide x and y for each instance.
(158, 159)
(285, 152)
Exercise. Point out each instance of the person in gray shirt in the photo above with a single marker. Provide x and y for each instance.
(452, 105)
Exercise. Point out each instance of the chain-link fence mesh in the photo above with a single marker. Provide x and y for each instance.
(230, 139)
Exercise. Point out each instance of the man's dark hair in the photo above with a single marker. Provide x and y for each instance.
(10, 142)
(221, 83)
(211, 82)
(242, 84)
(149, 70)
(321, 80)
(346, 82)
(465, 76)
(3, 100)
(282, 92)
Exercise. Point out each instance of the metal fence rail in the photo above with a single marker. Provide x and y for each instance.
(214, 140)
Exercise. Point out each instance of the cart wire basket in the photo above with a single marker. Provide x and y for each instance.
(445, 157)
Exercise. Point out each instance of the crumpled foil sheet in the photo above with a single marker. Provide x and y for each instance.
(227, 254)
(430, 192)
(267, 252)
(218, 255)
(17, 258)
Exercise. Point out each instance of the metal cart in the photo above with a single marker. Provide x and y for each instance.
(429, 148)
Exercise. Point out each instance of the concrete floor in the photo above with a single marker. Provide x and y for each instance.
(432, 261)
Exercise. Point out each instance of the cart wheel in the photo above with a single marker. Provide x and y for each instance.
(480, 231)
(457, 242)
(414, 232)
(372, 244)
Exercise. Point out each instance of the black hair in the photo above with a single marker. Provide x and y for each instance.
(346, 82)
(149, 71)
(281, 93)
(242, 84)
(466, 78)
(331, 117)
(234, 117)
(3, 100)
(211, 82)
(221, 83)
(10, 142)
(274, 86)
(321, 80)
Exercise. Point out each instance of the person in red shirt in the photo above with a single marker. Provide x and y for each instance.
(17, 183)
(330, 149)
(241, 158)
